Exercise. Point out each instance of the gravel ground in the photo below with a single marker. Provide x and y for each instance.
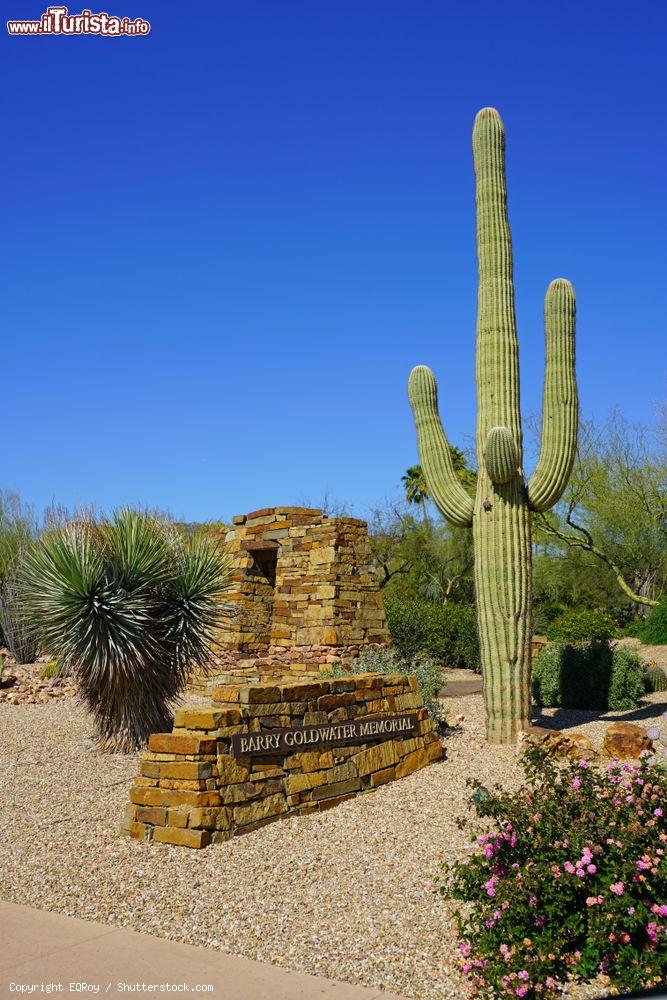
(658, 654)
(343, 894)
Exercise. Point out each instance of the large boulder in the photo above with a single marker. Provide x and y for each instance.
(625, 741)
(574, 745)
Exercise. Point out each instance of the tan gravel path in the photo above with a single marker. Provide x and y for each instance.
(343, 894)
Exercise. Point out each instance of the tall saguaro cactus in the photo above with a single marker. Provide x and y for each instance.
(500, 513)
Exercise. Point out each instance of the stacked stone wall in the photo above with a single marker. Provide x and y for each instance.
(325, 590)
(196, 788)
(305, 593)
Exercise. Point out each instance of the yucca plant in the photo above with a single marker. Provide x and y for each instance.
(128, 607)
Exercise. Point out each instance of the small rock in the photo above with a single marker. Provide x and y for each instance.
(583, 748)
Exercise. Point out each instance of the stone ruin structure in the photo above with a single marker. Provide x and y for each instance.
(306, 593)
(277, 738)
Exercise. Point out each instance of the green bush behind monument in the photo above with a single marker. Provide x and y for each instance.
(582, 625)
(445, 632)
(653, 630)
(589, 675)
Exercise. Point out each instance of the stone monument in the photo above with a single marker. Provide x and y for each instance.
(306, 594)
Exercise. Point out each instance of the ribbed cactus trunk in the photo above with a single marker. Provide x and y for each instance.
(500, 513)
(501, 521)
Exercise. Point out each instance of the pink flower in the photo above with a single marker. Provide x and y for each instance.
(576, 783)
(524, 975)
(521, 991)
(550, 983)
(569, 867)
(490, 885)
(591, 869)
(618, 888)
(579, 873)
(657, 812)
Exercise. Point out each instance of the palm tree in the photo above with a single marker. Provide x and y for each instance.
(129, 607)
(416, 490)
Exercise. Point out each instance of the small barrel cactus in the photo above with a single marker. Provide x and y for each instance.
(500, 512)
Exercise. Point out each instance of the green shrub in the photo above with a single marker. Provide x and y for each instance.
(569, 884)
(389, 661)
(627, 686)
(18, 531)
(633, 628)
(445, 632)
(582, 626)
(653, 630)
(50, 670)
(543, 615)
(587, 676)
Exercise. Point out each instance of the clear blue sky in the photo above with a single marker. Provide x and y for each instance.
(225, 245)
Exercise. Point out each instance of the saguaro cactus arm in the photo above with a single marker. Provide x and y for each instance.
(434, 453)
(500, 455)
(560, 408)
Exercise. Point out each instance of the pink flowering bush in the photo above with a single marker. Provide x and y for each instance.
(570, 884)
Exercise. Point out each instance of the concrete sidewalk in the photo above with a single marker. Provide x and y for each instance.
(39, 948)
